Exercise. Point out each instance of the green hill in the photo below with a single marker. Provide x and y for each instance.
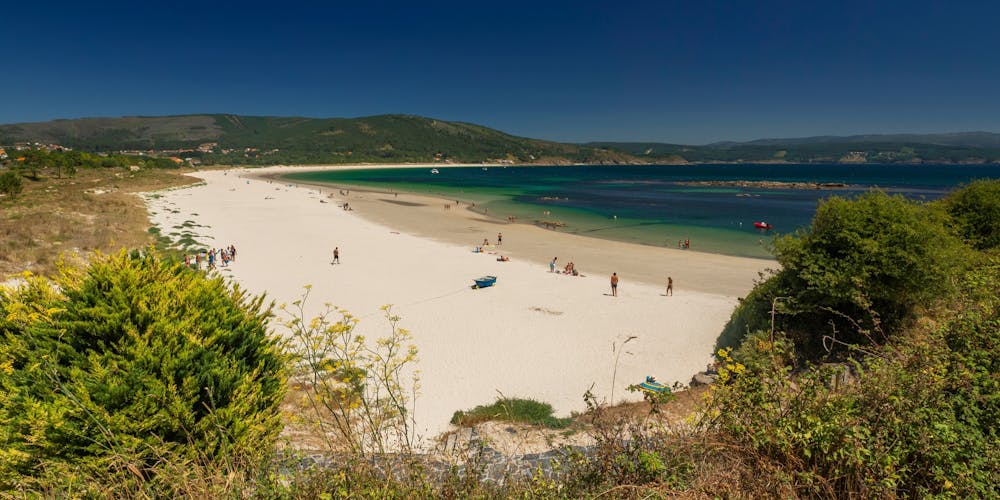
(258, 139)
(240, 139)
(110, 134)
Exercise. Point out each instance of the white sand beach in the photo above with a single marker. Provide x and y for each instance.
(536, 334)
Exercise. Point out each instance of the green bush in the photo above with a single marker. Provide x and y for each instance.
(134, 357)
(976, 212)
(512, 410)
(11, 184)
(861, 268)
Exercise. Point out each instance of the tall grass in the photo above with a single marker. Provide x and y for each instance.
(59, 215)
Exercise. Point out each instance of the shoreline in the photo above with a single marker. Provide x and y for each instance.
(535, 334)
(424, 215)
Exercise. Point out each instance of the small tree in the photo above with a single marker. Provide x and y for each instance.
(11, 184)
(63, 164)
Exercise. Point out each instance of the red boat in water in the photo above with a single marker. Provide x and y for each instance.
(762, 225)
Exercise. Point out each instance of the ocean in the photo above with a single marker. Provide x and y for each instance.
(651, 205)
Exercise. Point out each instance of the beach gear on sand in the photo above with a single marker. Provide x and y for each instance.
(651, 386)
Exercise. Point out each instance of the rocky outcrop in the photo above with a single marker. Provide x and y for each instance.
(703, 378)
(768, 184)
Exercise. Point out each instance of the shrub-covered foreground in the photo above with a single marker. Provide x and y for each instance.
(917, 416)
(879, 375)
(130, 360)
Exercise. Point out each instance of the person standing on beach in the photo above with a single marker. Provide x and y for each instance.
(552, 265)
(499, 238)
(336, 255)
(670, 285)
(614, 284)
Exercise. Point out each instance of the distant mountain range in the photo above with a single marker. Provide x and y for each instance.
(965, 139)
(235, 139)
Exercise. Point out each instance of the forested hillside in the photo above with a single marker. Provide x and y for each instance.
(269, 140)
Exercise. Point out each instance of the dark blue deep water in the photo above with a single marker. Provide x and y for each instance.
(646, 204)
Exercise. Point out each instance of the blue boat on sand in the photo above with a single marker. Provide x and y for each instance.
(485, 281)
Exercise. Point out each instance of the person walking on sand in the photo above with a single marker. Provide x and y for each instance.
(614, 284)
(552, 265)
(499, 239)
(336, 255)
(670, 285)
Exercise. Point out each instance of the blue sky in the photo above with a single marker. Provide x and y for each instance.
(668, 71)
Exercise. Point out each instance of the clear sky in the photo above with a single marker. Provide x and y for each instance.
(687, 71)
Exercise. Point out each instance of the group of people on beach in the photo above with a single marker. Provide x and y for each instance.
(486, 245)
(569, 269)
(210, 257)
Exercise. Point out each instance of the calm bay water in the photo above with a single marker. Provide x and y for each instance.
(645, 204)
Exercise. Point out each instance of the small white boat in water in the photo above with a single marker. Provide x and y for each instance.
(435, 171)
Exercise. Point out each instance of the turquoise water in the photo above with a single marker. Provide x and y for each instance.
(644, 204)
